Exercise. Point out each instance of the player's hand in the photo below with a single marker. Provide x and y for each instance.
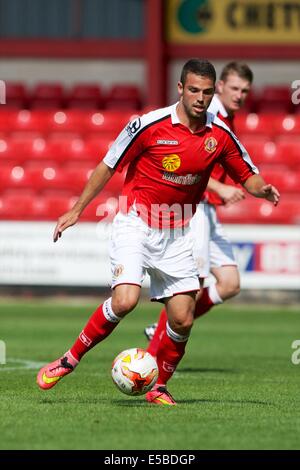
(231, 194)
(67, 220)
(271, 193)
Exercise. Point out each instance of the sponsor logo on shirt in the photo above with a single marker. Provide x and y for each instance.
(133, 127)
(171, 162)
(180, 179)
(210, 144)
(167, 142)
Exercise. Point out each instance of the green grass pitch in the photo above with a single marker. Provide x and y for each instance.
(236, 387)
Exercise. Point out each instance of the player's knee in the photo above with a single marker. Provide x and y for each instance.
(123, 305)
(183, 325)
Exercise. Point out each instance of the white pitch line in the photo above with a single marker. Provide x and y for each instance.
(24, 365)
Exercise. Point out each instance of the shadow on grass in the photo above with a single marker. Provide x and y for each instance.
(143, 403)
(72, 401)
(185, 370)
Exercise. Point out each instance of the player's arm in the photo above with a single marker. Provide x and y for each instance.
(230, 194)
(100, 176)
(256, 186)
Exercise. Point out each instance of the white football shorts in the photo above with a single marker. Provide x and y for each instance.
(212, 248)
(167, 256)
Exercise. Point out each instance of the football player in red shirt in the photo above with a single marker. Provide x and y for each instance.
(215, 253)
(171, 153)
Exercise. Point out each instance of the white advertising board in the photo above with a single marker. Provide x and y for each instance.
(268, 256)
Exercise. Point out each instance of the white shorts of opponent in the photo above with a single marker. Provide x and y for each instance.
(212, 248)
(167, 256)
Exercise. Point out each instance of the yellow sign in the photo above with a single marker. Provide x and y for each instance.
(171, 162)
(233, 21)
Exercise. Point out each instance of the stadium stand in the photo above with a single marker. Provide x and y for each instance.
(48, 151)
(16, 95)
(123, 97)
(85, 96)
(47, 96)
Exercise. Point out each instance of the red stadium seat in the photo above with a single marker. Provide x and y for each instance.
(285, 180)
(287, 212)
(23, 148)
(97, 146)
(275, 99)
(124, 96)
(66, 149)
(76, 121)
(17, 205)
(289, 150)
(53, 205)
(85, 96)
(45, 178)
(47, 96)
(6, 155)
(260, 211)
(258, 124)
(16, 95)
(243, 212)
(108, 123)
(76, 176)
(263, 150)
(17, 121)
(103, 207)
(287, 125)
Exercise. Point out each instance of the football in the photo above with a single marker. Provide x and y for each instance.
(134, 371)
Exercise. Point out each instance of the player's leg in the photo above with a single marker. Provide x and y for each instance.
(227, 281)
(180, 312)
(173, 279)
(105, 319)
(222, 265)
(200, 228)
(100, 325)
(159, 327)
(128, 272)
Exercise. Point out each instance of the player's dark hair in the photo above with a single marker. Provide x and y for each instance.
(198, 67)
(241, 69)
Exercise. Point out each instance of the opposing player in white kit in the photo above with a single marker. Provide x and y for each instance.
(213, 250)
(171, 153)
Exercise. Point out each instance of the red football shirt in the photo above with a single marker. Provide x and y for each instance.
(169, 166)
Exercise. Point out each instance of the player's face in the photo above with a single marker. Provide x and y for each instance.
(196, 95)
(233, 92)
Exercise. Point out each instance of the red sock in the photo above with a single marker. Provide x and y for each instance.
(169, 354)
(98, 327)
(204, 304)
(161, 326)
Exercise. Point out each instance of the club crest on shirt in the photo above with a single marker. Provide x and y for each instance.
(171, 162)
(210, 144)
(118, 270)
